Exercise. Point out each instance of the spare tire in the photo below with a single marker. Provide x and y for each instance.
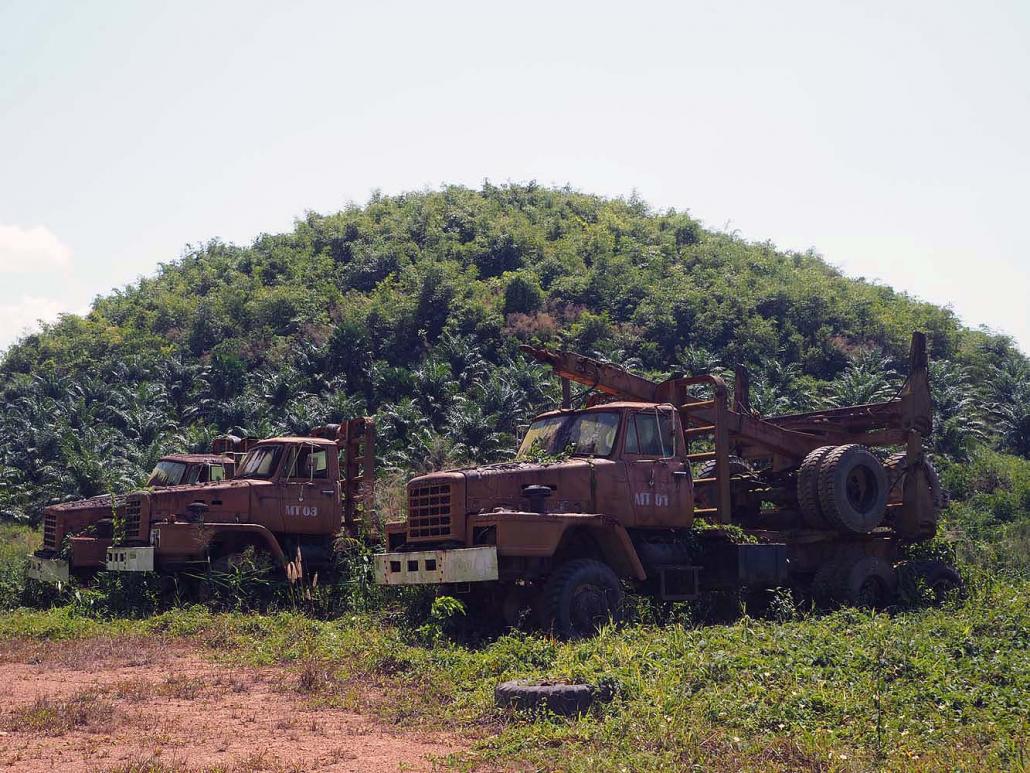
(737, 467)
(852, 489)
(564, 699)
(808, 488)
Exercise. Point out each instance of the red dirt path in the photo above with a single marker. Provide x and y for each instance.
(155, 706)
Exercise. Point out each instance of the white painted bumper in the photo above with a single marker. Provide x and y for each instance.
(51, 570)
(130, 559)
(436, 567)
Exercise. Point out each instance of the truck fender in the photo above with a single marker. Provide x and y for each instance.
(549, 535)
(620, 553)
(254, 533)
(616, 548)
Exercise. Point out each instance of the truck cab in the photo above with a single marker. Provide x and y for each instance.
(583, 481)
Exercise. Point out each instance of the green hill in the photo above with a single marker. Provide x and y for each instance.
(411, 308)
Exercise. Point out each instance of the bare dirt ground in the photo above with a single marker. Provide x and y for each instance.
(151, 705)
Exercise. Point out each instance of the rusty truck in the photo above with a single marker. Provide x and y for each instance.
(607, 495)
(287, 498)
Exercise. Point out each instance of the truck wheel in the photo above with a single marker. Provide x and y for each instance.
(579, 597)
(824, 585)
(865, 581)
(941, 579)
(896, 473)
(852, 489)
(808, 488)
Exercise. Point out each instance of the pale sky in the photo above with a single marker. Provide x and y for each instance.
(892, 137)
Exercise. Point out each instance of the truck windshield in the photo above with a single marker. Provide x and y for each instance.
(260, 462)
(580, 434)
(167, 474)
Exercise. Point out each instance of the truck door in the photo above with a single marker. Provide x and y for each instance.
(661, 497)
(311, 495)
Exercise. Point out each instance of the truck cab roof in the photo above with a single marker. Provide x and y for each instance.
(197, 458)
(311, 441)
(614, 405)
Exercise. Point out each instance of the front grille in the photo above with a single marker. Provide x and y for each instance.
(429, 511)
(132, 518)
(50, 530)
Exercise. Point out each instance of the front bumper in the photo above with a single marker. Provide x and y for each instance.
(49, 570)
(130, 559)
(437, 567)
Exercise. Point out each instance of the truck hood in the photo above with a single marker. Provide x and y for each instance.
(103, 504)
(224, 499)
(494, 486)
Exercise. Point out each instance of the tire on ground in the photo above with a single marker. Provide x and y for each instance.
(865, 581)
(565, 699)
(579, 597)
(852, 489)
(808, 488)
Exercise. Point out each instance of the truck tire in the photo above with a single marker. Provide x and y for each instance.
(940, 578)
(579, 597)
(824, 585)
(896, 473)
(868, 582)
(852, 489)
(808, 488)
(564, 699)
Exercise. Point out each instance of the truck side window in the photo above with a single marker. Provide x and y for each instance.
(650, 433)
(217, 472)
(310, 462)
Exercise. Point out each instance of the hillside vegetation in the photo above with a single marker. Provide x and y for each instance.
(411, 308)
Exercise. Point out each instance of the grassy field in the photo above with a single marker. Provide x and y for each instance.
(933, 689)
